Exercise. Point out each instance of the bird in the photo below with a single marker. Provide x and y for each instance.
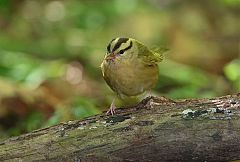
(130, 68)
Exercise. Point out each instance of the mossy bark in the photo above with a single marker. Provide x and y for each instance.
(157, 129)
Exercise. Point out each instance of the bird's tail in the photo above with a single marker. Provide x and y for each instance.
(159, 52)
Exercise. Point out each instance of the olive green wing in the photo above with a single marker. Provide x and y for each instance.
(150, 56)
(107, 79)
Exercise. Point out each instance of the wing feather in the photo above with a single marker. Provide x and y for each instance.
(149, 56)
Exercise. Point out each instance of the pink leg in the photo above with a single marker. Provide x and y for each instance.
(112, 108)
(149, 93)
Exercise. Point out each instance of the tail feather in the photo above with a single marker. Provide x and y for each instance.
(158, 53)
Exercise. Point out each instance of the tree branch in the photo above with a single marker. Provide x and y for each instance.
(157, 129)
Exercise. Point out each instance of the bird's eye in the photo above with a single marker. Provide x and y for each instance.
(121, 51)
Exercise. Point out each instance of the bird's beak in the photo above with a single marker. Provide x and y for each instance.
(111, 56)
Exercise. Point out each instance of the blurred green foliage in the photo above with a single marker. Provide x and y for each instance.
(232, 73)
(50, 53)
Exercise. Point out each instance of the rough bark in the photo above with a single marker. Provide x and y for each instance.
(157, 129)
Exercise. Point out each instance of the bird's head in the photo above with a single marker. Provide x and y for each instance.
(120, 49)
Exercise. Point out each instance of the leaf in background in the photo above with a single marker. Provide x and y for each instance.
(34, 120)
(55, 119)
(83, 107)
(232, 72)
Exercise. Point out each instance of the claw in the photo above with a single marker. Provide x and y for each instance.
(112, 108)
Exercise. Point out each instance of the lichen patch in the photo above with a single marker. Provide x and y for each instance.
(211, 113)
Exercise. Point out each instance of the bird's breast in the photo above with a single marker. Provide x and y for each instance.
(130, 78)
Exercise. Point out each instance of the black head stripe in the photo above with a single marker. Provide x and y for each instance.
(108, 48)
(127, 48)
(119, 42)
(109, 45)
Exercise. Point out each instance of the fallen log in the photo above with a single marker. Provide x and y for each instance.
(157, 129)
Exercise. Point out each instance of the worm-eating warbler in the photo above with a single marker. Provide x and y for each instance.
(129, 68)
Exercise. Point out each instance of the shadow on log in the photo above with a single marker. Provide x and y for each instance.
(157, 129)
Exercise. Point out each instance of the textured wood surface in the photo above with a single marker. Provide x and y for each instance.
(157, 129)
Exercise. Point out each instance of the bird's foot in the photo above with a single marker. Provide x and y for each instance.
(111, 109)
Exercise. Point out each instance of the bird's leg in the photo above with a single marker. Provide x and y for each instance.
(112, 108)
(149, 93)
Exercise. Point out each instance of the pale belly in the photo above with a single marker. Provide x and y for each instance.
(131, 79)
